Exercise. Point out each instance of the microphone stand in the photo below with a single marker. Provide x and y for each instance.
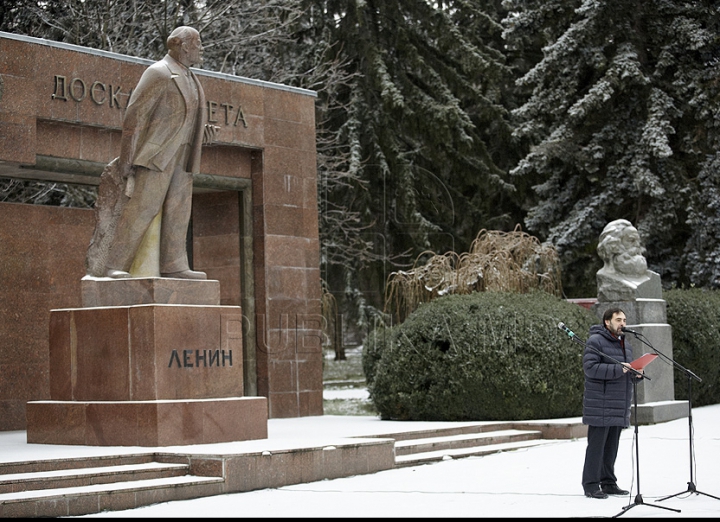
(638, 376)
(638, 497)
(690, 376)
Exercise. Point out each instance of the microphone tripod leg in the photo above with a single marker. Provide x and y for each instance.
(638, 498)
(691, 485)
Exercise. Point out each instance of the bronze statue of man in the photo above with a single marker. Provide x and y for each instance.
(164, 127)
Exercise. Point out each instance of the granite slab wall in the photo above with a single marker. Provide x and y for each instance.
(255, 216)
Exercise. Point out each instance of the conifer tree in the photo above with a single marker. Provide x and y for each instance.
(424, 121)
(622, 117)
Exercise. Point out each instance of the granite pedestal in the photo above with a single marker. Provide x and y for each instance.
(157, 373)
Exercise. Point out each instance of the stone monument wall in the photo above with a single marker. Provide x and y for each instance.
(254, 224)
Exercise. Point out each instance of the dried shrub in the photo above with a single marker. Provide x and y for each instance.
(497, 261)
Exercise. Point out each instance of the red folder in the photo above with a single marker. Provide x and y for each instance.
(642, 361)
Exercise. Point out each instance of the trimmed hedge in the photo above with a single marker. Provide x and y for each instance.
(694, 315)
(482, 356)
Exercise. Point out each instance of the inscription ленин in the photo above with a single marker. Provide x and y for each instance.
(201, 359)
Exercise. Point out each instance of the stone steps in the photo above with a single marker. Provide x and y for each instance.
(464, 441)
(73, 487)
(427, 457)
(70, 478)
(81, 486)
(423, 447)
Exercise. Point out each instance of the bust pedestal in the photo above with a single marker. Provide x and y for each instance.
(645, 310)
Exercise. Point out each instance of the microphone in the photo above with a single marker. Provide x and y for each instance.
(628, 330)
(566, 329)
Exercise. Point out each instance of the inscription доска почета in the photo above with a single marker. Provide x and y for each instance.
(100, 93)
